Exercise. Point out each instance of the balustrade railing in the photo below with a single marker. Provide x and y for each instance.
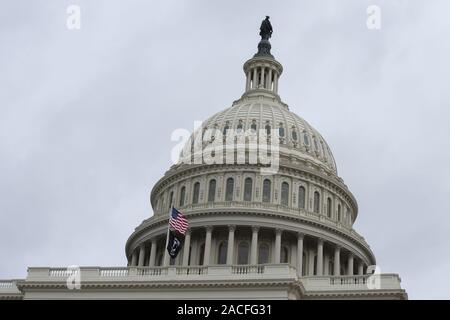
(8, 284)
(348, 280)
(114, 272)
(247, 269)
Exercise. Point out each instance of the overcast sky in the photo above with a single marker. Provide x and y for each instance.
(86, 117)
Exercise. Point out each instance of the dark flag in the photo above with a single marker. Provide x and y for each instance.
(178, 226)
(175, 243)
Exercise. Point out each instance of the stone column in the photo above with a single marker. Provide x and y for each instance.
(269, 80)
(187, 245)
(134, 258)
(337, 261)
(262, 77)
(141, 255)
(275, 83)
(255, 78)
(153, 249)
(254, 249)
(247, 85)
(326, 264)
(230, 249)
(277, 245)
(361, 268)
(300, 254)
(320, 257)
(206, 257)
(350, 264)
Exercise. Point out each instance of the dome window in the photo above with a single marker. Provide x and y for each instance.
(253, 126)
(182, 196)
(248, 185)
(281, 130)
(222, 255)
(329, 205)
(315, 144)
(263, 253)
(229, 189)
(316, 202)
(267, 187)
(239, 126)
(284, 255)
(225, 129)
(294, 134)
(171, 199)
(212, 190)
(305, 138)
(243, 251)
(196, 193)
(267, 128)
(301, 197)
(285, 194)
(339, 213)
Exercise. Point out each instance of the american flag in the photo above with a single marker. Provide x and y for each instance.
(178, 222)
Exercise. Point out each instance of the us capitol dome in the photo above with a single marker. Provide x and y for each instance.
(253, 233)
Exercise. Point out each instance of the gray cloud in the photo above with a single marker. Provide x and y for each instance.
(86, 117)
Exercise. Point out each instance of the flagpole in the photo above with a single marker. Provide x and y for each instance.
(166, 252)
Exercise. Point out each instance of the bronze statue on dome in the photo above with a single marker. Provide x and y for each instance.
(266, 29)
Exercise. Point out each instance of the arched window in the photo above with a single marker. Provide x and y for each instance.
(329, 207)
(248, 189)
(301, 197)
(281, 130)
(284, 258)
(182, 196)
(267, 129)
(171, 199)
(225, 129)
(339, 212)
(172, 261)
(212, 190)
(315, 144)
(201, 255)
(267, 187)
(316, 202)
(196, 192)
(253, 126)
(243, 251)
(263, 253)
(222, 253)
(239, 127)
(294, 134)
(305, 138)
(284, 194)
(229, 189)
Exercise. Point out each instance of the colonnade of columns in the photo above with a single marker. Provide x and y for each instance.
(138, 256)
(261, 77)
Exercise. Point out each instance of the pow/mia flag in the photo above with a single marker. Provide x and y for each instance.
(175, 243)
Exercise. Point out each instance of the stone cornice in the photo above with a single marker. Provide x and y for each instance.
(27, 285)
(340, 294)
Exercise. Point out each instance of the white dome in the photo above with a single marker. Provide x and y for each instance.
(298, 139)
